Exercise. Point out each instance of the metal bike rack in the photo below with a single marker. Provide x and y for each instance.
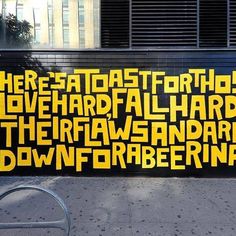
(63, 224)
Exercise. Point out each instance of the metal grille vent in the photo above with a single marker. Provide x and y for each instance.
(213, 23)
(115, 23)
(164, 23)
(232, 23)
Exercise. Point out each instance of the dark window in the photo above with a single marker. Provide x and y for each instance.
(65, 3)
(213, 23)
(65, 17)
(115, 23)
(232, 32)
(66, 38)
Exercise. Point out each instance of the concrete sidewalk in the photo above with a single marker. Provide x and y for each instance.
(125, 206)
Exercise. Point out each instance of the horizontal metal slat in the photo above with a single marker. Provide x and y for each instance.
(232, 23)
(213, 23)
(115, 23)
(164, 23)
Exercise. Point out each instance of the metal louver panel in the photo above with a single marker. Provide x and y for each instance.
(232, 23)
(213, 23)
(115, 23)
(164, 23)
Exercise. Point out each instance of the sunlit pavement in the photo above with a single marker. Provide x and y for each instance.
(124, 206)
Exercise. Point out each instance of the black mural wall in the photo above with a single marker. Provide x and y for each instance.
(173, 63)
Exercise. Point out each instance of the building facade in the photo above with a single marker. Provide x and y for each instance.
(58, 23)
